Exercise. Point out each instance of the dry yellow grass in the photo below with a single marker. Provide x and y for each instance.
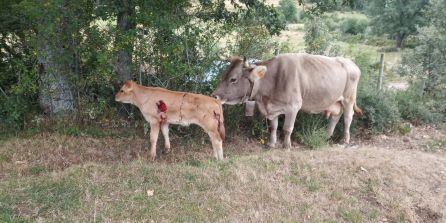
(58, 178)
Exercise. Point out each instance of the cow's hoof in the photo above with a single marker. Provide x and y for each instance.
(152, 157)
(166, 151)
(271, 145)
(287, 146)
(350, 146)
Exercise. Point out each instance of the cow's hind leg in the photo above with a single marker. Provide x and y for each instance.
(165, 131)
(288, 127)
(348, 117)
(273, 123)
(334, 119)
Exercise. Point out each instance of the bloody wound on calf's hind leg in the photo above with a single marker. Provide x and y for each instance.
(162, 109)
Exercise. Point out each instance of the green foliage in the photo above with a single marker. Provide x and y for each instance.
(316, 36)
(288, 10)
(425, 66)
(311, 130)
(170, 45)
(398, 19)
(417, 107)
(427, 62)
(354, 25)
(13, 112)
(404, 128)
(380, 109)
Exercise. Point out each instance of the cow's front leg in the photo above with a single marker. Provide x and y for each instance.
(288, 127)
(165, 131)
(154, 131)
(273, 123)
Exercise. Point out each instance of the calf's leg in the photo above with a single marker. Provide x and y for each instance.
(211, 129)
(154, 131)
(165, 131)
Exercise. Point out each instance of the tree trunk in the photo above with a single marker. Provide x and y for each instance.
(399, 41)
(123, 64)
(124, 54)
(55, 90)
(55, 93)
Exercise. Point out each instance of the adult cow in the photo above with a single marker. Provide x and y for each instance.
(288, 83)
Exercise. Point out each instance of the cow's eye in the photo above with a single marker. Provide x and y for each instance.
(233, 80)
(122, 91)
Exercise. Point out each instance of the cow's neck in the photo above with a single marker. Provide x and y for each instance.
(140, 98)
(263, 87)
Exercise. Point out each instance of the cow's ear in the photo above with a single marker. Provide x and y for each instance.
(258, 73)
(129, 85)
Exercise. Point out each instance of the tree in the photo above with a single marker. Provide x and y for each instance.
(427, 62)
(288, 10)
(67, 55)
(125, 25)
(397, 18)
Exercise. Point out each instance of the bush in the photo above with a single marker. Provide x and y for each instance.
(13, 111)
(354, 25)
(417, 107)
(380, 109)
(316, 36)
(288, 10)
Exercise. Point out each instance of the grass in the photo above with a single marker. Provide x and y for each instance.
(262, 185)
(436, 145)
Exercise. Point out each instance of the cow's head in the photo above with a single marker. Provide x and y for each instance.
(239, 82)
(125, 95)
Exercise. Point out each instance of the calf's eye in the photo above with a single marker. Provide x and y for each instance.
(233, 80)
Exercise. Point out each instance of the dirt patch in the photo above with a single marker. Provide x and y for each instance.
(428, 215)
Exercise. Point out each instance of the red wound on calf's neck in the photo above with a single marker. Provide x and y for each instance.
(162, 107)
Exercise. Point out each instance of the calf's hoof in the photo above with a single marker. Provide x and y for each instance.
(153, 157)
(166, 151)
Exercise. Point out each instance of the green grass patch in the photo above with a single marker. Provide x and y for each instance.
(38, 169)
(350, 215)
(436, 145)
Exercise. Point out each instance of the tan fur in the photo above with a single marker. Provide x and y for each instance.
(182, 108)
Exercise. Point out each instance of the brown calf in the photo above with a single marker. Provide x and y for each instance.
(161, 107)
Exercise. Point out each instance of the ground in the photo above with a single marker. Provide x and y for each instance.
(388, 178)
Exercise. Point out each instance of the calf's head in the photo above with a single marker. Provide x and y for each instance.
(125, 94)
(239, 82)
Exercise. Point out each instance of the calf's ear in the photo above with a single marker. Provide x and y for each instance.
(129, 85)
(258, 73)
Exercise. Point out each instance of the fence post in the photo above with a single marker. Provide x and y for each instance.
(381, 72)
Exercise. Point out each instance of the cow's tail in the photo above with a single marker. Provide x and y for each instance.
(221, 123)
(357, 110)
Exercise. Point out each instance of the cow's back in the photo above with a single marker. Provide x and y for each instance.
(318, 81)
